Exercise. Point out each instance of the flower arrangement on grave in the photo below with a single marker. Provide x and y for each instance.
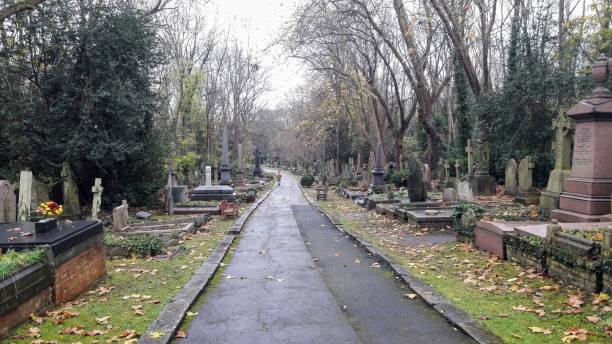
(50, 211)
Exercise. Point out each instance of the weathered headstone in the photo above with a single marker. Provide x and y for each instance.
(25, 196)
(8, 203)
(70, 190)
(468, 219)
(511, 177)
(97, 198)
(143, 215)
(416, 181)
(464, 192)
(208, 175)
(120, 217)
(481, 182)
(484, 157)
(377, 185)
(526, 193)
(226, 178)
(169, 194)
(564, 136)
(449, 195)
(427, 176)
(40, 193)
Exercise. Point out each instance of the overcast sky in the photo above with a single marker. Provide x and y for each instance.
(257, 24)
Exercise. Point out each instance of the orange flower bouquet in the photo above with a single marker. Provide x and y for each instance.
(50, 211)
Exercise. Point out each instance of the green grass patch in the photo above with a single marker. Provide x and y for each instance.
(132, 286)
(504, 297)
(13, 261)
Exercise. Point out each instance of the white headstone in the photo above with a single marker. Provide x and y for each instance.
(97, 198)
(208, 175)
(120, 216)
(25, 195)
(464, 192)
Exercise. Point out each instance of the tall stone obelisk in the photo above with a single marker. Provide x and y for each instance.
(226, 178)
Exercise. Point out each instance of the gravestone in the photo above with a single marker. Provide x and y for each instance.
(564, 136)
(378, 172)
(120, 217)
(468, 219)
(240, 170)
(97, 198)
(449, 195)
(464, 192)
(208, 176)
(416, 181)
(526, 193)
(8, 203)
(586, 193)
(40, 193)
(169, 194)
(457, 165)
(25, 196)
(143, 215)
(70, 191)
(257, 171)
(511, 177)
(226, 178)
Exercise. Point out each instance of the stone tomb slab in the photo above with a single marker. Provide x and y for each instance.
(67, 235)
(489, 235)
(431, 217)
(213, 193)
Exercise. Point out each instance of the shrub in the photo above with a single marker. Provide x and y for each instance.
(399, 178)
(307, 181)
(13, 261)
(142, 245)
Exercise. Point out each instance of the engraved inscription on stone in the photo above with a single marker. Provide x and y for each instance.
(583, 147)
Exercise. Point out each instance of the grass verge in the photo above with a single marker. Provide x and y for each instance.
(13, 261)
(517, 304)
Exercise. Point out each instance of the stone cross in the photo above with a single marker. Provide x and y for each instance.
(8, 203)
(469, 151)
(25, 195)
(564, 132)
(446, 167)
(208, 177)
(97, 198)
(457, 168)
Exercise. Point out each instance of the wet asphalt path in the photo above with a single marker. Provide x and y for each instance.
(275, 292)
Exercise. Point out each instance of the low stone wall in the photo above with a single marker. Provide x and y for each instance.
(24, 293)
(576, 275)
(526, 252)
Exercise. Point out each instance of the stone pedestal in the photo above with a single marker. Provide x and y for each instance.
(377, 185)
(586, 196)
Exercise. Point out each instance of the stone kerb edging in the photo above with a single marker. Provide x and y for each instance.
(457, 317)
(171, 317)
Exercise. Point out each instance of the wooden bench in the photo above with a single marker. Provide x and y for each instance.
(228, 209)
(322, 193)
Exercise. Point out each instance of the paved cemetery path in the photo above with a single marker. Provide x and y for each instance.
(275, 292)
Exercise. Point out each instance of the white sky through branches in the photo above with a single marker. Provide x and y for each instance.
(257, 24)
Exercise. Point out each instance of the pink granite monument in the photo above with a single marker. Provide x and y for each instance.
(586, 196)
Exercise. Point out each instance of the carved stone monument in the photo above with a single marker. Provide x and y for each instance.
(97, 198)
(511, 177)
(377, 185)
(526, 193)
(257, 172)
(482, 184)
(226, 178)
(70, 190)
(564, 137)
(8, 203)
(586, 193)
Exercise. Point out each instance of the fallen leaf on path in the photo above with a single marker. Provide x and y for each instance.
(536, 329)
(410, 296)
